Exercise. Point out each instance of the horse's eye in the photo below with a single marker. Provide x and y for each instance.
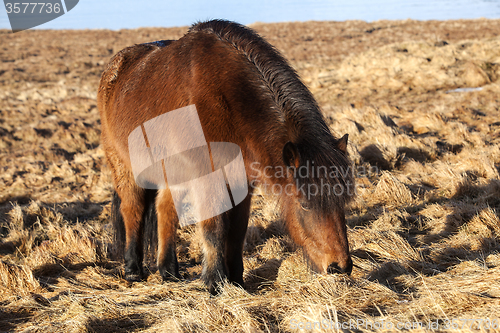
(305, 206)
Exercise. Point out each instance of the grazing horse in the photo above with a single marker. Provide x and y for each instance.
(245, 93)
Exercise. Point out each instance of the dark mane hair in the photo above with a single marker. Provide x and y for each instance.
(289, 94)
(297, 109)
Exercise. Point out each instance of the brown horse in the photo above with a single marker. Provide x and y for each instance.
(245, 93)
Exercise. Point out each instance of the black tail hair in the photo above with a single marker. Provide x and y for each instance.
(150, 229)
(118, 228)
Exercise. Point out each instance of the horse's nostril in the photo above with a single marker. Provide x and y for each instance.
(348, 267)
(335, 268)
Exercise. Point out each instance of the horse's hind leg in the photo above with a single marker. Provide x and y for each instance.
(132, 210)
(167, 229)
(237, 228)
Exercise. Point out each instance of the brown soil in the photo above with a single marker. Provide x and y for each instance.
(424, 229)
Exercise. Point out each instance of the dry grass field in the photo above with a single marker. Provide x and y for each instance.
(424, 229)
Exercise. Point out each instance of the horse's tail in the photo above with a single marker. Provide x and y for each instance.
(150, 227)
(118, 227)
(150, 230)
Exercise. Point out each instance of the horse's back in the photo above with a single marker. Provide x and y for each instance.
(206, 68)
(146, 80)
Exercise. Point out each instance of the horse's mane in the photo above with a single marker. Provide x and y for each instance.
(297, 108)
(290, 95)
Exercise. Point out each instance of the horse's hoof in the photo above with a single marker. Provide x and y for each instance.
(216, 288)
(133, 277)
(168, 277)
(239, 284)
(214, 291)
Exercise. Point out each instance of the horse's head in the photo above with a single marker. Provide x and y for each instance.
(314, 211)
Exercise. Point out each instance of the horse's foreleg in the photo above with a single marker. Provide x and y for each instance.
(167, 228)
(237, 228)
(214, 233)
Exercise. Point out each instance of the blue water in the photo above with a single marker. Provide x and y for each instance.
(119, 14)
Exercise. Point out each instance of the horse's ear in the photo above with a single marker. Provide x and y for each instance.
(342, 143)
(291, 155)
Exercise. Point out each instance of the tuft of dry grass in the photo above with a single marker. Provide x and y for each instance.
(424, 228)
(17, 280)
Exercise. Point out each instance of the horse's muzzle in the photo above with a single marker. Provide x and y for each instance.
(344, 269)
